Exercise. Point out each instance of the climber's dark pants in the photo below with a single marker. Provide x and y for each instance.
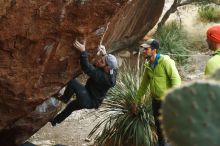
(156, 105)
(83, 100)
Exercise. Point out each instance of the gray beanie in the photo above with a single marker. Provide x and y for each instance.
(112, 62)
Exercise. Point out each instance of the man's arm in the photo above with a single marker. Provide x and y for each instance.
(173, 73)
(210, 67)
(143, 86)
(87, 68)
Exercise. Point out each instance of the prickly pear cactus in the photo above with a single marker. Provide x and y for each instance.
(191, 114)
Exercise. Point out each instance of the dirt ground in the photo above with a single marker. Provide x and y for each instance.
(74, 130)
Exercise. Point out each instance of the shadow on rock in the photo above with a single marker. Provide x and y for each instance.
(31, 144)
(28, 144)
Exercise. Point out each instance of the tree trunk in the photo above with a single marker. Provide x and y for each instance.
(37, 57)
(172, 9)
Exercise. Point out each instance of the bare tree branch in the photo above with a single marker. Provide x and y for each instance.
(180, 3)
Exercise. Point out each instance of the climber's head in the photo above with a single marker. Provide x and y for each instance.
(108, 63)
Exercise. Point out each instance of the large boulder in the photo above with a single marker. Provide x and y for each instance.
(37, 57)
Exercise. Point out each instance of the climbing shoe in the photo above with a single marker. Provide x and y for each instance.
(53, 123)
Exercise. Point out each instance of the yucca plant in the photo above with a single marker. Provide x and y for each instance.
(209, 13)
(129, 121)
(173, 41)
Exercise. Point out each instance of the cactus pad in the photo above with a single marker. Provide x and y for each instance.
(191, 114)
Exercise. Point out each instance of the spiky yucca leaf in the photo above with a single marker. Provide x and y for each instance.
(173, 40)
(129, 120)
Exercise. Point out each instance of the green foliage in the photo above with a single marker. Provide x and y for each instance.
(173, 40)
(128, 121)
(203, 2)
(197, 43)
(195, 108)
(209, 13)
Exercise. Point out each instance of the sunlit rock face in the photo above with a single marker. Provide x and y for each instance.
(37, 57)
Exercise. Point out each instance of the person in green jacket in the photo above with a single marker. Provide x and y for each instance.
(160, 74)
(213, 40)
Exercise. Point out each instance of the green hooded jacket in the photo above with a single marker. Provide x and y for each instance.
(213, 63)
(164, 76)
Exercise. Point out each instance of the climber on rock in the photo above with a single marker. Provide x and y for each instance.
(102, 76)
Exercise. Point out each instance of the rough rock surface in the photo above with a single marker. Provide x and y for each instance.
(132, 22)
(36, 54)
